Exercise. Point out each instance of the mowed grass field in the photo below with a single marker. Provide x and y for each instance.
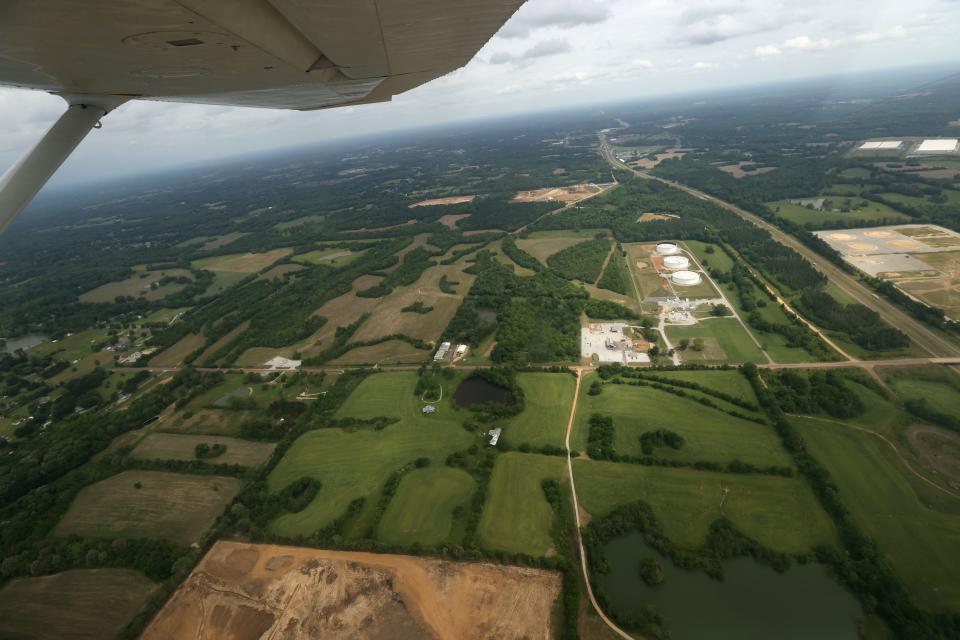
(172, 446)
(173, 355)
(422, 510)
(725, 342)
(709, 434)
(330, 256)
(389, 352)
(516, 516)
(730, 382)
(242, 262)
(548, 397)
(921, 543)
(174, 506)
(780, 513)
(355, 463)
(541, 245)
(83, 604)
(873, 212)
(941, 396)
(138, 286)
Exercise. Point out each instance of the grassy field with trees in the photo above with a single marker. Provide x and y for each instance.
(780, 513)
(922, 546)
(517, 516)
(81, 603)
(543, 421)
(710, 434)
(149, 504)
(425, 507)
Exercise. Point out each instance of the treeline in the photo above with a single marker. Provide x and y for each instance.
(860, 564)
(537, 318)
(414, 263)
(608, 310)
(819, 391)
(520, 256)
(863, 325)
(582, 261)
(616, 276)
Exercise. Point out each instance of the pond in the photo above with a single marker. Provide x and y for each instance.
(23, 342)
(476, 391)
(753, 601)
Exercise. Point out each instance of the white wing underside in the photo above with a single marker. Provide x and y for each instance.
(279, 54)
(286, 54)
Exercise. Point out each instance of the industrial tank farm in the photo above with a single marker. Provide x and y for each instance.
(685, 278)
(676, 263)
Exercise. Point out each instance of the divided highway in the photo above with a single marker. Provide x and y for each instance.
(926, 337)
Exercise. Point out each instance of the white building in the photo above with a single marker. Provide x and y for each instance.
(494, 436)
(945, 145)
(441, 352)
(429, 409)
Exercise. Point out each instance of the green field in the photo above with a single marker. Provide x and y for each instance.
(920, 542)
(730, 382)
(544, 418)
(780, 513)
(353, 463)
(725, 341)
(139, 285)
(331, 256)
(172, 446)
(940, 396)
(517, 516)
(82, 604)
(710, 435)
(773, 343)
(175, 506)
(872, 212)
(422, 510)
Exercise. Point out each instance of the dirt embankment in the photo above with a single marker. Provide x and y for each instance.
(253, 592)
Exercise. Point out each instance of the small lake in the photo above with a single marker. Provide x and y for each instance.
(476, 391)
(23, 342)
(753, 601)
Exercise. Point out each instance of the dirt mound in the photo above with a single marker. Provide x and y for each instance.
(249, 592)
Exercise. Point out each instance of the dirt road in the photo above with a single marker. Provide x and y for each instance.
(576, 511)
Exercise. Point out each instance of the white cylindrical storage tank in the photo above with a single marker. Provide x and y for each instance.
(676, 263)
(685, 278)
(667, 249)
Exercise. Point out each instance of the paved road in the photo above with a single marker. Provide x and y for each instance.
(927, 338)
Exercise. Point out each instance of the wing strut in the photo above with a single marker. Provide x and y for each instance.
(24, 179)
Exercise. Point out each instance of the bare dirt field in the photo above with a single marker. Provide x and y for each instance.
(573, 193)
(247, 592)
(442, 201)
(651, 217)
(450, 221)
(176, 506)
(650, 163)
(83, 604)
(206, 422)
(172, 446)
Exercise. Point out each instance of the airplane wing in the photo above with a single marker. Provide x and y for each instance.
(282, 54)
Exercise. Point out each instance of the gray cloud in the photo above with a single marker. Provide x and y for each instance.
(540, 50)
(565, 14)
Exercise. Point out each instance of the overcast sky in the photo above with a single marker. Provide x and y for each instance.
(552, 53)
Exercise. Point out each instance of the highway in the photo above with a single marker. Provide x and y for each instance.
(925, 337)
